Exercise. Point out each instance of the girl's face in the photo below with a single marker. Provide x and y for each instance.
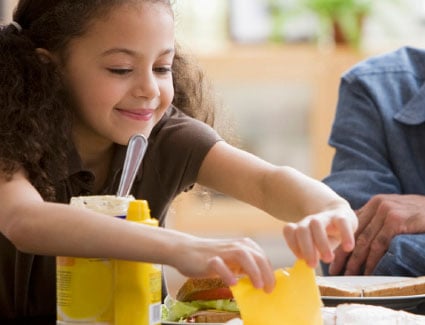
(119, 73)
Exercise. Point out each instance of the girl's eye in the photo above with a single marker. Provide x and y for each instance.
(162, 70)
(120, 71)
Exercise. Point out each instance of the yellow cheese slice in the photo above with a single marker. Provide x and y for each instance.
(294, 301)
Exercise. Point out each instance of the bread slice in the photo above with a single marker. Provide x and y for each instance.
(329, 289)
(212, 316)
(214, 288)
(407, 287)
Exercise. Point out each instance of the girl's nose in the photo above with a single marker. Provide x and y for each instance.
(147, 86)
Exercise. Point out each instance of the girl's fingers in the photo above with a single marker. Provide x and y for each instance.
(291, 240)
(317, 238)
(346, 231)
(321, 241)
(249, 265)
(217, 265)
(307, 245)
(264, 265)
(245, 256)
(299, 240)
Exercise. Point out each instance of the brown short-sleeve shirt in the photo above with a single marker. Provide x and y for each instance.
(177, 146)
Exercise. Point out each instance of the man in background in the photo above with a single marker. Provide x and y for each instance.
(379, 164)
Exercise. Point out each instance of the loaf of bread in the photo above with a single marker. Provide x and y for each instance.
(405, 287)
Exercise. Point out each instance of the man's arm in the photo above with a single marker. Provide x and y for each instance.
(360, 168)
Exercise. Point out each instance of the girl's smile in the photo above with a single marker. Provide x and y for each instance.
(137, 114)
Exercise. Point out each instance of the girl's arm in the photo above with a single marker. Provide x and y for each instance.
(323, 218)
(38, 227)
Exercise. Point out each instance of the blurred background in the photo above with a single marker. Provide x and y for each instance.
(275, 67)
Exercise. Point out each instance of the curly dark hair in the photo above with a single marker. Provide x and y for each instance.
(35, 110)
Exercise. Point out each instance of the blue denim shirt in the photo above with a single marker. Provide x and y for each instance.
(379, 128)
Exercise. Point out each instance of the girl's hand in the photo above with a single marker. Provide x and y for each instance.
(227, 259)
(316, 236)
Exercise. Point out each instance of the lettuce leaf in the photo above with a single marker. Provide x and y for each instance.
(176, 310)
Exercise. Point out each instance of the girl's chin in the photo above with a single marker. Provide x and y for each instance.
(144, 132)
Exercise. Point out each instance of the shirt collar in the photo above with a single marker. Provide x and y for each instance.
(413, 113)
(75, 164)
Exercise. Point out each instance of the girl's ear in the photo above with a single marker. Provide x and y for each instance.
(44, 55)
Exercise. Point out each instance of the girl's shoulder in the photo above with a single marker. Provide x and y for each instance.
(175, 126)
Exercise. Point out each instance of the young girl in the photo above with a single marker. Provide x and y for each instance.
(78, 78)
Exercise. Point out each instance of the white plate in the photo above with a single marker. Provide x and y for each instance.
(395, 302)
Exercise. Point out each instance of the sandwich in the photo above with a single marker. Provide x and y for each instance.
(206, 300)
(406, 287)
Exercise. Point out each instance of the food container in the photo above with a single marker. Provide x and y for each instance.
(85, 286)
(137, 284)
